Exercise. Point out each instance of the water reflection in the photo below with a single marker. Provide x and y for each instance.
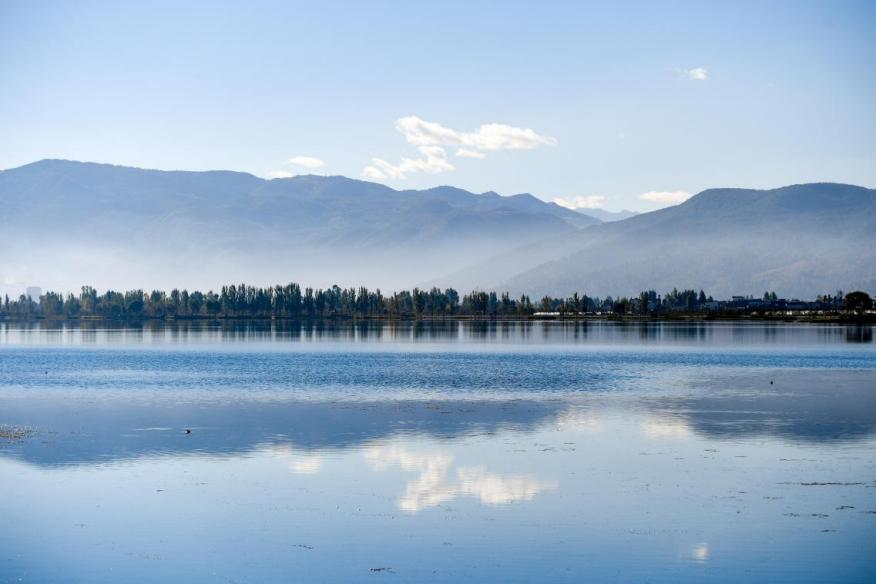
(812, 406)
(503, 332)
(433, 485)
(815, 406)
(298, 461)
(477, 452)
(859, 334)
(660, 428)
(700, 553)
(96, 432)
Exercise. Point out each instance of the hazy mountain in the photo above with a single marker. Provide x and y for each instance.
(68, 223)
(608, 216)
(799, 240)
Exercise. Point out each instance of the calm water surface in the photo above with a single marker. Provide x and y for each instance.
(444, 452)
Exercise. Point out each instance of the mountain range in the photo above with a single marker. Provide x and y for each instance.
(799, 240)
(71, 223)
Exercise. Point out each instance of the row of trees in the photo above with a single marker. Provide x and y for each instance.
(291, 301)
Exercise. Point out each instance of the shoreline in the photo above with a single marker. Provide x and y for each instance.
(837, 318)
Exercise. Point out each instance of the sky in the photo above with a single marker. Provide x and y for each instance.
(610, 105)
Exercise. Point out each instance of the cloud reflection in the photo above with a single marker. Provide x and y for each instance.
(661, 428)
(578, 419)
(433, 486)
(700, 552)
(299, 463)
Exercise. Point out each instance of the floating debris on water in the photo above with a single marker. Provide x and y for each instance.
(15, 432)
(821, 484)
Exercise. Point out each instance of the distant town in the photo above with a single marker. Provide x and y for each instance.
(291, 301)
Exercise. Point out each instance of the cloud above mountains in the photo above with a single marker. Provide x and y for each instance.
(697, 74)
(432, 161)
(488, 137)
(431, 139)
(581, 202)
(666, 197)
(309, 162)
(663, 198)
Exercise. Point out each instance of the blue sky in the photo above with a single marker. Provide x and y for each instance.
(621, 100)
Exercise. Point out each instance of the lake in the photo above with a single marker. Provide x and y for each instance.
(438, 452)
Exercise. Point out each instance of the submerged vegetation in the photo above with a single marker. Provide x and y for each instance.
(293, 302)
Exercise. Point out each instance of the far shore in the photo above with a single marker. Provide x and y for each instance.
(835, 318)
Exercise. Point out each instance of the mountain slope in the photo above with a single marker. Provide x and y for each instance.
(70, 222)
(799, 240)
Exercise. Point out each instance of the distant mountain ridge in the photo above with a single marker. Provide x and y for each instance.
(71, 223)
(48, 187)
(209, 227)
(801, 240)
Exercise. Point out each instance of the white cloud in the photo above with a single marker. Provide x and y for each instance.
(487, 137)
(431, 138)
(373, 173)
(463, 153)
(433, 161)
(279, 174)
(697, 74)
(665, 197)
(581, 202)
(306, 162)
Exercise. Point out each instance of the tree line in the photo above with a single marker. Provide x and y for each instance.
(291, 301)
